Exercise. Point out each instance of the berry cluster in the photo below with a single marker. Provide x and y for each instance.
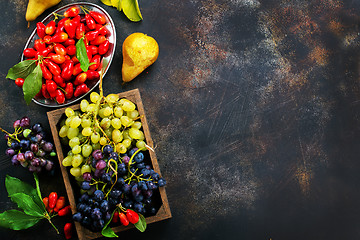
(28, 147)
(118, 184)
(57, 52)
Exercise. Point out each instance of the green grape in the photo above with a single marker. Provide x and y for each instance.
(68, 120)
(116, 123)
(77, 113)
(107, 111)
(91, 108)
(142, 136)
(62, 122)
(127, 143)
(75, 122)
(69, 112)
(70, 153)
(75, 171)
(108, 132)
(140, 144)
(87, 131)
(63, 131)
(86, 150)
(127, 105)
(96, 146)
(126, 134)
(135, 133)
(105, 123)
(80, 178)
(74, 141)
(85, 122)
(103, 141)
(77, 160)
(76, 149)
(126, 121)
(94, 97)
(136, 124)
(95, 137)
(72, 132)
(67, 162)
(116, 136)
(132, 114)
(101, 112)
(83, 105)
(112, 98)
(118, 112)
(120, 148)
(85, 169)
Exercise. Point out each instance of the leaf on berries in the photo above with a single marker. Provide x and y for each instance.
(17, 220)
(32, 84)
(141, 224)
(21, 70)
(82, 56)
(14, 185)
(107, 231)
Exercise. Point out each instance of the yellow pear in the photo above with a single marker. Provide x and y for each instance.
(36, 7)
(139, 52)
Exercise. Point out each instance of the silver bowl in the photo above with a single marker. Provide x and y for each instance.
(106, 60)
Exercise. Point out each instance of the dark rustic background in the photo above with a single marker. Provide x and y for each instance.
(253, 106)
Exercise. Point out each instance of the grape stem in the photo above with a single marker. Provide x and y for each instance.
(115, 173)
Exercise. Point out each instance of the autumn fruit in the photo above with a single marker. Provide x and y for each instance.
(139, 52)
(36, 7)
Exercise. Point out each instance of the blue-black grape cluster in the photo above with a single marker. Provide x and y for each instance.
(132, 187)
(28, 147)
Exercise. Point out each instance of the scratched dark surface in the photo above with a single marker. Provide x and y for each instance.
(254, 109)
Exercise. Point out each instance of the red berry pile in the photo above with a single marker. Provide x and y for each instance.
(62, 74)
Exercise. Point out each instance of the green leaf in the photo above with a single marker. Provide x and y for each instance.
(115, 3)
(107, 231)
(32, 84)
(141, 224)
(107, 2)
(17, 220)
(14, 185)
(131, 10)
(38, 191)
(21, 70)
(81, 55)
(26, 203)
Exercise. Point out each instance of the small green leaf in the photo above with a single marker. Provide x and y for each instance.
(14, 185)
(107, 231)
(32, 84)
(17, 220)
(107, 2)
(81, 55)
(141, 224)
(21, 70)
(26, 203)
(131, 10)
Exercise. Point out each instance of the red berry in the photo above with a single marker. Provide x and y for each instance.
(52, 199)
(132, 216)
(19, 82)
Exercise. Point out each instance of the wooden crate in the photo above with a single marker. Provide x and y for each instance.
(54, 119)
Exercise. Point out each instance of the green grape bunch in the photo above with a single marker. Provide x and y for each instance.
(109, 120)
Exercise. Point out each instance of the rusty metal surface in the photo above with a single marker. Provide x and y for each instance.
(253, 106)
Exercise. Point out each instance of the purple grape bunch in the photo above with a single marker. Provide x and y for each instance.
(28, 146)
(132, 187)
